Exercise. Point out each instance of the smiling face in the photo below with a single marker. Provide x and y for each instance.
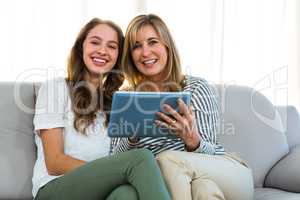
(149, 54)
(100, 50)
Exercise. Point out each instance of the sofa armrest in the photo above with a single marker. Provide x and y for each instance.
(285, 174)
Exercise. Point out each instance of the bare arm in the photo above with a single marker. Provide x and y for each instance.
(57, 162)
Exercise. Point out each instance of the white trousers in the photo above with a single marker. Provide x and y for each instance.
(195, 176)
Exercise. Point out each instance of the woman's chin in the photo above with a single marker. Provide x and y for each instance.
(100, 71)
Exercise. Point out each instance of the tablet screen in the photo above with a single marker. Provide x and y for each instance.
(133, 113)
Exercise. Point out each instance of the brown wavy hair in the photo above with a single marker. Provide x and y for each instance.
(173, 67)
(86, 102)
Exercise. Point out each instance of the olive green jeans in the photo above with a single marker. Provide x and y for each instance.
(130, 175)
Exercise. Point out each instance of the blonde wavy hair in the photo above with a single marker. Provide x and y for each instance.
(85, 102)
(173, 67)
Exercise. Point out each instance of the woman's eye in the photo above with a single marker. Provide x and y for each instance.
(135, 46)
(94, 42)
(152, 42)
(113, 47)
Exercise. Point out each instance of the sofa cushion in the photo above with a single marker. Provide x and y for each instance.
(291, 123)
(274, 194)
(252, 128)
(285, 174)
(17, 149)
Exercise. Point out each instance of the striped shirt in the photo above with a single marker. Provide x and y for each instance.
(205, 107)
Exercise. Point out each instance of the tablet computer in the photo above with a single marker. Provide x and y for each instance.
(133, 113)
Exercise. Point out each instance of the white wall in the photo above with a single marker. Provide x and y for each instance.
(294, 52)
(232, 41)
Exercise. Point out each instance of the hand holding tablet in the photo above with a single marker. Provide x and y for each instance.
(134, 114)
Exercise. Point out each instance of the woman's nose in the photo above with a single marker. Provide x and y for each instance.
(102, 49)
(146, 51)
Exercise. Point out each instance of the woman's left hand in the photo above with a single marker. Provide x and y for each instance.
(182, 123)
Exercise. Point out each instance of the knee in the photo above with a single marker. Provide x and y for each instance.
(167, 157)
(143, 154)
(170, 162)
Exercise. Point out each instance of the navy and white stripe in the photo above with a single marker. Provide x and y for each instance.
(205, 107)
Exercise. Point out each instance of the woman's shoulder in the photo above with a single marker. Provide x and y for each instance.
(194, 82)
(54, 82)
(52, 97)
(199, 86)
(58, 83)
(203, 93)
(54, 87)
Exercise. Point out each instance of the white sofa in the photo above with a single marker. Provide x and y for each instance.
(249, 127)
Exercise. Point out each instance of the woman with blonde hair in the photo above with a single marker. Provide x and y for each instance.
(70, 122)
(194, 164)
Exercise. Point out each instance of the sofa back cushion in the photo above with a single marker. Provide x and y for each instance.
(251, 127)
(291, 123)
(17, 148)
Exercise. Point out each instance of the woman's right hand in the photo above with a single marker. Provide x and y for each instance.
(183, 124)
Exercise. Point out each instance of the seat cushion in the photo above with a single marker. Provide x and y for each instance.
(251, 127)
(274, 194)
(17, 148)
(285, 174)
